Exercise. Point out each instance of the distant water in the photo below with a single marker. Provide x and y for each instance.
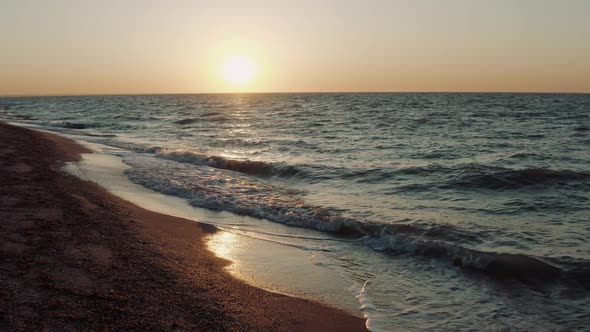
(476, 206)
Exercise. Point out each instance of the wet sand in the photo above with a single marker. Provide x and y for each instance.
(74, 257)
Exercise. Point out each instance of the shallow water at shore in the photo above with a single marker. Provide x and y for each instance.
(256, 256)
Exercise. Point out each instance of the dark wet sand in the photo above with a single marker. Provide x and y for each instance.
(74, 257)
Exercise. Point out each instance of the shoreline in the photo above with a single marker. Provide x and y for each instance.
(77, 257)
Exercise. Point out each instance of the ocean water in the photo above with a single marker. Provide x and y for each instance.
(448, 211)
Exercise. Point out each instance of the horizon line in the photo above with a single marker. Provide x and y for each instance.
(279, 92)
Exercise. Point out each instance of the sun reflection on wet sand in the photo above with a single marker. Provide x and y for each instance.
(281, 268)
(224, 244)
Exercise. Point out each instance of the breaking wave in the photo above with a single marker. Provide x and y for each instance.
(251, 167)
(219, 190)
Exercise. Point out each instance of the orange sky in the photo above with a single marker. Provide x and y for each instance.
(174, 46)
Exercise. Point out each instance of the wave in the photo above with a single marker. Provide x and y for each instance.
(255, 142)
(5, 111)
(476, 176)
(239, 194)
(250, 167)
(525, 155)
(24, 117)
(186, 121)
(440, 241)
(70, 125)
(208, 114)
(515, 179)
(74, 125)
(100, 135)
(519, 266)
(209, 117)
(466, 176)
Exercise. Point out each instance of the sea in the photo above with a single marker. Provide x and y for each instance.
(443, 211)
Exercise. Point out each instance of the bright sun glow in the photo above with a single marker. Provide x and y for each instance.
(239, 70)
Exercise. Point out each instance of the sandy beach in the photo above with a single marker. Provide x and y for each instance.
(74, 257)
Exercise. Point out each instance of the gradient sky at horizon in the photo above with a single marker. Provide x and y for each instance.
(177, 46)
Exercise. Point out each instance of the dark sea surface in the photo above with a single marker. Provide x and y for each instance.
(459, 211)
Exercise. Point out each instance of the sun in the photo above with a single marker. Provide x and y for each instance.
(239, 70)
